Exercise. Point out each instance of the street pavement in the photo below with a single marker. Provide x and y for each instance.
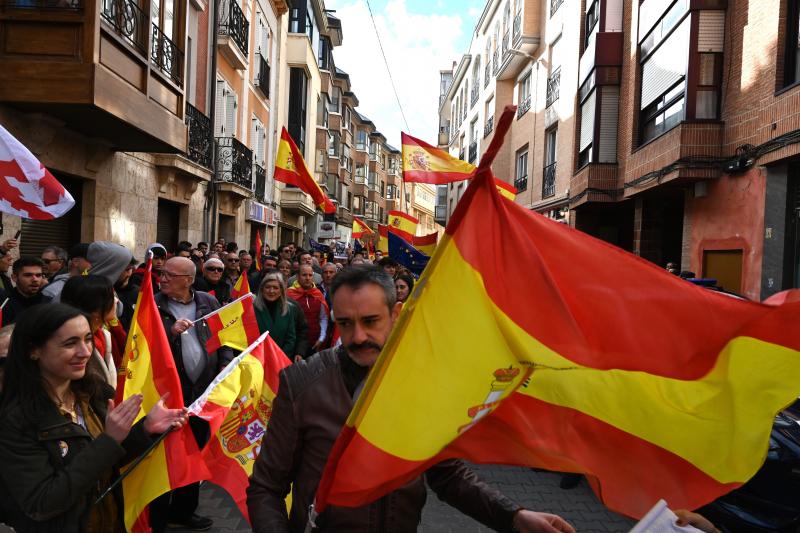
(535, 490)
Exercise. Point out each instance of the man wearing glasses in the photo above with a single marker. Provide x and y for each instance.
(212, 282)
(231, 269)
(179, 306)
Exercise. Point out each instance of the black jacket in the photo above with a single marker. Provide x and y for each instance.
(127, 295)
(222, 291)
(17, 303)
(216, 360)
(51, 468)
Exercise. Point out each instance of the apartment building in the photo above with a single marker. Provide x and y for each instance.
(668, 128)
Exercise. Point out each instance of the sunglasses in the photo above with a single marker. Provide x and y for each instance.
(214, 269)
(232, 260)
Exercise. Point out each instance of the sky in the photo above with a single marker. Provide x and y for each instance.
(420, 38)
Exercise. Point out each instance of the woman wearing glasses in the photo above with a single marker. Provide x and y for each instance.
(211, 281)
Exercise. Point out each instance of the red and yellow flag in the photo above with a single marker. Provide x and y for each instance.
(402, 224)
(506, 189)
(557, 350)
(423, 163)
(290, 168)
(241, 287)
(426, 243)
(383, 239)
(360, 228)
(259, 246)
(233, 325)
(149, 370)
(237, 406)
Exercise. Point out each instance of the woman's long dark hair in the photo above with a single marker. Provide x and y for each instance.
(90, 294)
(409, 279)
(23, 383)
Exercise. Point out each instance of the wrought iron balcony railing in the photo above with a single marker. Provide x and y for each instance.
(487, 129)
(487, 72)
(234, 162)
(233, 24)
(473, 151)
(473, 96)
(521, 184)
(200, 136)
(553, 86)
(43, 4)
(554, 5)
(517, 27)
(262, 79)
(128, 20)
(166, 56)
(549, 181)
(524, 106)
(505, 42)
(495, 62)
(260, 190)
(462, 155)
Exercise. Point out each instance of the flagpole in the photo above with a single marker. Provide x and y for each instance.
(135, 464)
(212, 313)
(4, 304)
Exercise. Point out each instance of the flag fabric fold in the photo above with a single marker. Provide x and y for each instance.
(149, 369)
(426, 243)
(241, 287)
(383, 238)
(259, 247)
(233, 325)
(290, 168)
(27, 188)
(237, 406)
(407, 255)
(423, 163)
(557, 350)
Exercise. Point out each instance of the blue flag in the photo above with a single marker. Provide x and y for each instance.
(318, 246)
(357, 248)
(407, 255)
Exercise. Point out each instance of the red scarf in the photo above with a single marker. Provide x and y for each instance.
(296, 292)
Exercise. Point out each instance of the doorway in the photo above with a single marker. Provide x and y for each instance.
(64, 232)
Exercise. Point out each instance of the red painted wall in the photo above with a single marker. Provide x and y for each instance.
(731, 217)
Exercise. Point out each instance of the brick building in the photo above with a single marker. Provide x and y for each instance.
(668, 128)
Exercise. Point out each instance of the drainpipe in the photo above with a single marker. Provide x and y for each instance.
(211, 198)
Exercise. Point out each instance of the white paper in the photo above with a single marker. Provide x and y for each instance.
(660, 519)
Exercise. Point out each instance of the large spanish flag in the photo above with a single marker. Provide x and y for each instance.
(424, 163)
(259, 247)
(402, 224)
(383, 238)
(290, 168)
(149, 370)
(553, 349)
(233, 325)
(241, 287)
(360, 228)
(237, 405)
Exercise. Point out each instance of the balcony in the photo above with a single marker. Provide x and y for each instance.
(297, 202)
(524, 35)
(233, 34)
(495, 62)
(473, 152)
(554, 5)
(549, 181)
(234, 165)
(517, 27)
(262, 78)
(524, 106)
(474, 93)
(260, 190)
(92, 68)
(553, 87)
(444, 135)
(166, 56)
(487, 129)
(487, 73)
(505, 43)
(373, 156)
(200, 136)
(521, 183)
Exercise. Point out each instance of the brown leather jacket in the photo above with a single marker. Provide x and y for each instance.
(312, 405)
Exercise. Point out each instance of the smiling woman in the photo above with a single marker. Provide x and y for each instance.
(61, 437)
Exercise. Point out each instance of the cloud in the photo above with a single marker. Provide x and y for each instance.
(417, 47)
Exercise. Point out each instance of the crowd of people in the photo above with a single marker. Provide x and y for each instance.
(65, 318)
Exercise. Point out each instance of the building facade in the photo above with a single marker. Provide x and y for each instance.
(668, 128)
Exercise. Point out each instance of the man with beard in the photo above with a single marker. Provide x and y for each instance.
(314, 399)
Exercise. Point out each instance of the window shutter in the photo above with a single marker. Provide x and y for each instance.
(253, 142)
(219, 110)
(230, 114)
(587, 121)
(711, 36)
(262, 143)
(666, 66)
(265, 40)
(609, 119)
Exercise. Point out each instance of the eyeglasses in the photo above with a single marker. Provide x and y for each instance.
(168, 275)
(229, 260)
(214, 269)
(48, 261)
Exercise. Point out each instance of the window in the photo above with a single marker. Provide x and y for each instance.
(549, 174)
(258, 138)
(163, 16)
(297, 18)
(336, 94)
(324, 53)
(709, 80)
(322, 110)
(334, 147)
(791, 64)
(592, 19)
(663, 84)
(586, 136)
(361, 140)
(298, 94)
(347, 118)
(524, 95)
(521, 179)
(225, 116)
